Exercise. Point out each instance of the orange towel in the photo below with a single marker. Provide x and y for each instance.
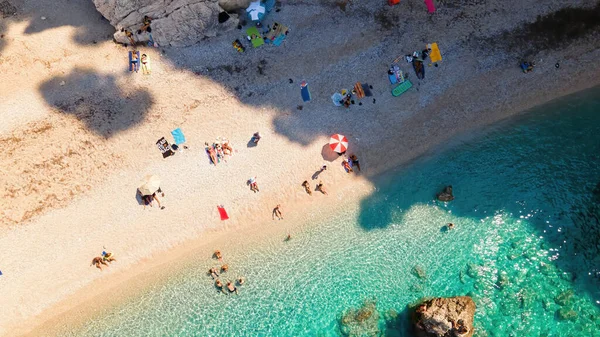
(360, 93)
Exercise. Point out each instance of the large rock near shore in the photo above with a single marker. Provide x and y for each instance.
(435, 317)
(174, 22)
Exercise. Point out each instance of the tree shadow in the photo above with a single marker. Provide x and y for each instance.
(98, 101)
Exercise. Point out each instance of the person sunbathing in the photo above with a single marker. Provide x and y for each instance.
(134, 60)
(306, 186)
(322, 188)
(98, 262)
(347, 166)
(227, 149)
(144, 61)
(231, 287)
(355, 161)
(253, 185)
(211, 153)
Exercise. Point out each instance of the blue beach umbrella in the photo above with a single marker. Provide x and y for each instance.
(256, 11)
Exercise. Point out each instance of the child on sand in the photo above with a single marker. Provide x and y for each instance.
(98, 262)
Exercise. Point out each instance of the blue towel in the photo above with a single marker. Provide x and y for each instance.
(0, 272)
(305, 93)
(178, 136)
(279, 40)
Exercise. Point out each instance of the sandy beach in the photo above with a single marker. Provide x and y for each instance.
(81, 130)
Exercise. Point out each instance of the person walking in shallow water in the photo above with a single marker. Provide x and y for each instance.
(277, 212)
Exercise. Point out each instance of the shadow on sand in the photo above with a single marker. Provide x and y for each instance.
(98, 101)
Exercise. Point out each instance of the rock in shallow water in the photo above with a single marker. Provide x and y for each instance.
(446, 194)
(441, 317)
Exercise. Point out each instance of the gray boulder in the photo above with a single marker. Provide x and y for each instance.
(444, 317)
(174, 22)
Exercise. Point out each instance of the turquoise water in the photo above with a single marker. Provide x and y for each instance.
(526, 247)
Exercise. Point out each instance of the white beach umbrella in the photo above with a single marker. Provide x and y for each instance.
(149, 185)
(255, 11)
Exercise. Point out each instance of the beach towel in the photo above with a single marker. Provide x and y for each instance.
(401, 88)
(178, 136)
(222, 212)
(430, 6)
(164, 147)
(305, 92)
(277, 33)
(255, 37)
(435, 54)
(358, 90)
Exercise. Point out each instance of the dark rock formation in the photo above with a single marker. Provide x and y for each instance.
(446, 194)
(444, 317)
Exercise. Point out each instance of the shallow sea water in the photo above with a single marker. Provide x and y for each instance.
(526, 247)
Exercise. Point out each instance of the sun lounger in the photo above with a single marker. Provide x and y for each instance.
(358, 90)
(401, 88)
(255, 37)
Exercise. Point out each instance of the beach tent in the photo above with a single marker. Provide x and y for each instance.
(149, 185)
(338, 143)
(256, 11)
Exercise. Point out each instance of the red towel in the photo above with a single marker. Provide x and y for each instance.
(222, 212)
(430, 6)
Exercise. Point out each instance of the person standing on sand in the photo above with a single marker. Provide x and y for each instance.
(355, 161)
(277, 212)
(321, 188)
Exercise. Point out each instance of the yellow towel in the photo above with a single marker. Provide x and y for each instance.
(435, 54)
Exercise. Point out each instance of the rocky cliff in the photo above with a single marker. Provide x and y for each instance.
(445, 317)
(173, 22)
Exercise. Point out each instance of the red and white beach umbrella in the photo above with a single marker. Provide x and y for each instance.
(338, 143)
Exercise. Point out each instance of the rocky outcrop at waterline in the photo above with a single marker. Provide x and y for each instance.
(444, 317)
(173, 22)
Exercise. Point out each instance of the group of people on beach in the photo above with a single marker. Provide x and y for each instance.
(218, 150)
(215, 272)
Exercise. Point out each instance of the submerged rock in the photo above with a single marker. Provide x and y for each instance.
(419, 272)
(564, 298)
(446, 194)
(567, 314)
(473, 270)
(361, 322)
(442, 317)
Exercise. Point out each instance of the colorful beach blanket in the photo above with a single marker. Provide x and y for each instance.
(178, 136)
(255, 37)
(277, 34)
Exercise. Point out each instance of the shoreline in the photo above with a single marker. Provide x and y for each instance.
(131, 283)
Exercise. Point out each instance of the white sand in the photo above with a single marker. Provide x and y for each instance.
(68, 182)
